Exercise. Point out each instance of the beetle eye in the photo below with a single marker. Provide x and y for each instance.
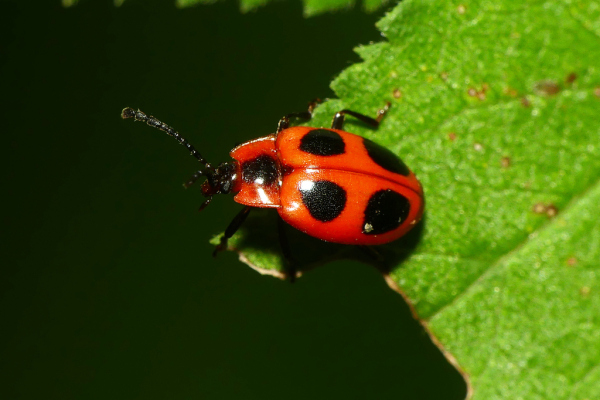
(226, 186)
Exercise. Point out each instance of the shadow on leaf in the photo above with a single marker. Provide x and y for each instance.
(257, 243)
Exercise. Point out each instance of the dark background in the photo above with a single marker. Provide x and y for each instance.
(108, 289)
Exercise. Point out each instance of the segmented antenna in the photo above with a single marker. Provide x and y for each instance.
(138, 115)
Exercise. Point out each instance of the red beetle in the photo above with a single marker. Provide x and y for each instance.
(328, 183)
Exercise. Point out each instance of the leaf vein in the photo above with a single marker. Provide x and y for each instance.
(501, 259)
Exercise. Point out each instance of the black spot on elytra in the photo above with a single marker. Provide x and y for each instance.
(385, 158)
(261, 170)
(322, 142)
(385, 212)
(324, 200)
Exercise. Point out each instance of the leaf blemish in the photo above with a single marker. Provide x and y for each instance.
(510, 92)
(550, 210)
(480, 94)
(546, 87)
(539, 208)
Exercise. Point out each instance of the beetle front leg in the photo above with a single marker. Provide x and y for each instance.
(232, 228)
(193, 179)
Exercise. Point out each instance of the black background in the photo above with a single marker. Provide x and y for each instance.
(108, 289)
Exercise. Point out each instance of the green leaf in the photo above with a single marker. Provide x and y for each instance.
(314, 7)
(496, 107)
(311, 7)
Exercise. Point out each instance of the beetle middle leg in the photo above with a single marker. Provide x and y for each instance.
(338, 119)
(284, 122)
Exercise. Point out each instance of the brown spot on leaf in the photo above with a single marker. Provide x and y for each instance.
(571, 261)
(397, 93)
(539, 208)
(510, 92)
(546, 87)
(570, 78)
(525, 102)
(480, 94)
(452, 136)
(505, 162)
(461, 9)
(551, 210)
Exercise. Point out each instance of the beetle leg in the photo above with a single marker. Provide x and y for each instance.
(206, 203)
(193, 179)
(232, 228)
(338, 119)
(290, 268)
(284, 122)
(377, 258)
(372, 252)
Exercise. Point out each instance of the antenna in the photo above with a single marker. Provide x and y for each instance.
(138, 115)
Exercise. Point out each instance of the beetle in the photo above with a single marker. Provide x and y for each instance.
(328, 183)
